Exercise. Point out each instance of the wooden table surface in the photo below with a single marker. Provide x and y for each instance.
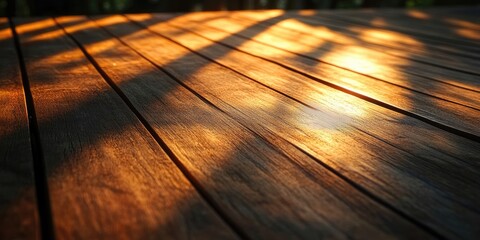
(253, 124)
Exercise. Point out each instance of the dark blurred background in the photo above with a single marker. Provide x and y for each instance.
(66, 7)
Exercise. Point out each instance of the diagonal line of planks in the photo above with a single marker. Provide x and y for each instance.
(250, 124)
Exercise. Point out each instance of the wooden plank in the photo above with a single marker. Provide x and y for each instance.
(454, 117)
(320, 47)
(414, 23)
(362, 60)
(314, 36)
(268, 193)
(389, 42)
(354, 138)
(455, 46)
(450, 17)
(108, 178)
(462, 14)
(18, 213)
(436, 14)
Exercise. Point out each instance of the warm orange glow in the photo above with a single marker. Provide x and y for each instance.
(142, 36)
(463, 23)
(468, 33)
(141, 17)
(261, 15)
(318, 31)
(379, 22)
(229, 25)
(268, 34)
(418, 14)
(82, 23)
(382, 36)
(5, 34)
(39, 24)
(116, 19)
(307, 13)
(70, 63)
(43, 30)
(346, 109)
(355, 58)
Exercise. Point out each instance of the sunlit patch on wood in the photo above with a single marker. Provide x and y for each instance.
(418, 14)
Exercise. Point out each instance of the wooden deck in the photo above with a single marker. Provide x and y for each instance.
(252, 125)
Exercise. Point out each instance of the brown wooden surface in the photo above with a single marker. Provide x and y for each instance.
(295, 121)
(360, 59)
(452, 108)
(18, 214)
(239, 172)
(108, 177)
(390, 42)
(252, 125)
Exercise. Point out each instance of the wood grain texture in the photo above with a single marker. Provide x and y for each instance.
(18, 213)
(358, 139)
(268, 193)
(447, 40)
(443, 27)
(108, 178)
(447, 113)
(389, 42)
(310, 36)
(456, 46)
(358, 58)
(448, 16)
(247, 124)
(375, 64)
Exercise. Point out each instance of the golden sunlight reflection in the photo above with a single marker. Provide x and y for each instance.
(74, 24)
(340, 113)
(358, 59)
(355, 59)
(462, 23)
(307, 12)
(142, 36)
(32, 26)
(418, 14)
(320, 31)
(261, 15)
(468, 33)
(346, 110)
(229, 26)
(65, 62)
(379, 22)
(5, 34)
(267, 35)
(141, 17)
(382, 36)
(41, 30)
(84, 25)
